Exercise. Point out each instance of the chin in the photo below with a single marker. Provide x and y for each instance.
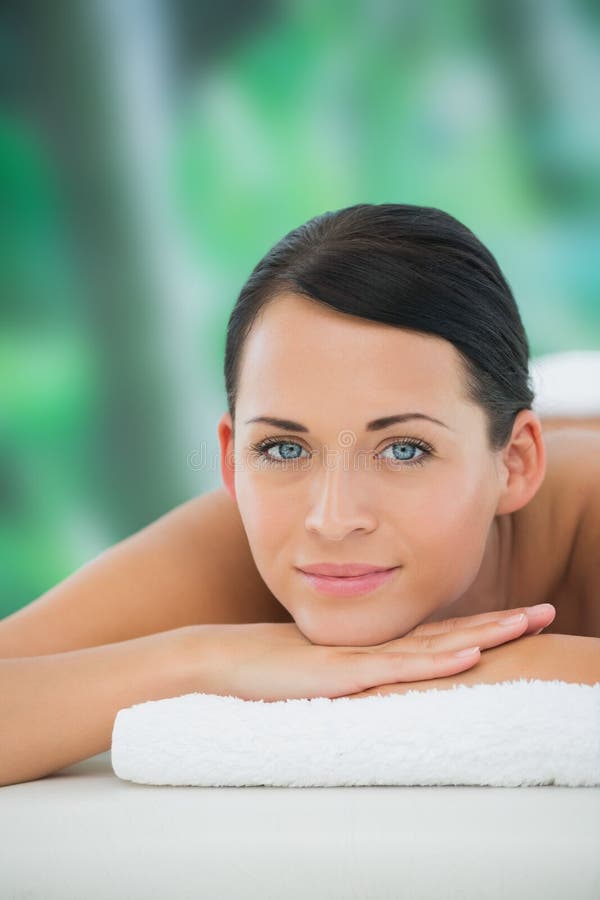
(339, 630)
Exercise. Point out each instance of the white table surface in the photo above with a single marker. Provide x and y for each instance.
(83, 833)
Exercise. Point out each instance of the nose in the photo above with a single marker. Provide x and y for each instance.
(339, 507)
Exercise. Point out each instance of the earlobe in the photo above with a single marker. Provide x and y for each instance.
(524, 461)
(225, 434)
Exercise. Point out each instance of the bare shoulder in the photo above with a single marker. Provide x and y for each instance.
(582, 578)
(559, 532)
(192, 566)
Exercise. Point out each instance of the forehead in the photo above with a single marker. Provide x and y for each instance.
(300, 352)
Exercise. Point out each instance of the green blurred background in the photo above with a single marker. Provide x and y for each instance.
(152, 152)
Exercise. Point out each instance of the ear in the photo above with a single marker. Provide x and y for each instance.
(523, 462)
(225, 433)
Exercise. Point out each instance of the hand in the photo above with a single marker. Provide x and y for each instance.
(518, 659)
(276, 661)
(571, 658)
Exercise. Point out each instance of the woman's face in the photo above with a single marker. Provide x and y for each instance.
(335, 489)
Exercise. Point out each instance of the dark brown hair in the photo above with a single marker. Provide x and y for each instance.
(414, 267)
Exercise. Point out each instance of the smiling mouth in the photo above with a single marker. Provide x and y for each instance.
(349, 585)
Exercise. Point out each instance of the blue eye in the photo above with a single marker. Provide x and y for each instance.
(410, 445)
(287, 453)
(286, 450)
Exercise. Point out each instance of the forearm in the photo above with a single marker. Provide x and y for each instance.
(546, 657)
(58, 709)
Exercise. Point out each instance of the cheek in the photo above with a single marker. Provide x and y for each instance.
(268, 519)
(446, 532)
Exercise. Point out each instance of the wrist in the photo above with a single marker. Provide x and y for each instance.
(188, 659)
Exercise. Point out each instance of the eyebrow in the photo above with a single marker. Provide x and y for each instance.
(374, 425)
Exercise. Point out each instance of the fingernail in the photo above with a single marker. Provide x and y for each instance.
(469, 652)
(540, 608)
(513, 620)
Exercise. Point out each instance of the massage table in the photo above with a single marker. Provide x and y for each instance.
(82, 833)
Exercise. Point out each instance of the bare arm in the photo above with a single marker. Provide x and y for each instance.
(547, 657)
(109, 635)
(58, 709)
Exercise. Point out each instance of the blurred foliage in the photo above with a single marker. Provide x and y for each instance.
(151, 153)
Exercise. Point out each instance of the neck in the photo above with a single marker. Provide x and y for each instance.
(491, 589)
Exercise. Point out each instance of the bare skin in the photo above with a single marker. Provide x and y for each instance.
(547, 657)
(530, 552)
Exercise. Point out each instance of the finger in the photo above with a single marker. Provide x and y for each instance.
(539, 616)
(371, 670)
(485, 635)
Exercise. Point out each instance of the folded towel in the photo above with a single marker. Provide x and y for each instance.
(567, 384)
(509, 734)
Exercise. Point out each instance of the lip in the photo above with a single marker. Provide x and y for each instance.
(343, 570)
(349, 585)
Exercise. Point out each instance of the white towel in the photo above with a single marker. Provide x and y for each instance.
(509, 734)
(567, 383)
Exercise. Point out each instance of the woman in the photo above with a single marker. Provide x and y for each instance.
(397, 314)
(379, 416)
